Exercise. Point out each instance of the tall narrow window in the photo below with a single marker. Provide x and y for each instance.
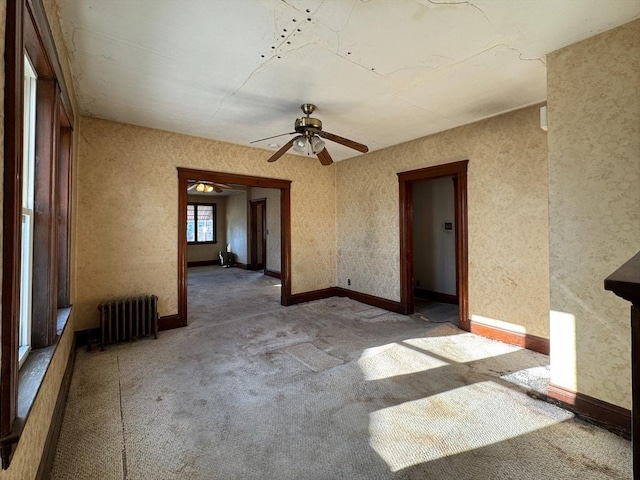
(28, 173)
(201, 223)
(38, 144)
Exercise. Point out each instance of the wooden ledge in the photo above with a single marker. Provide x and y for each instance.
(625, 281)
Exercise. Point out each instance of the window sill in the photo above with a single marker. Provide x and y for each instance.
(31, 377)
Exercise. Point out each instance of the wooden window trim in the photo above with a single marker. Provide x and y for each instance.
(215, 221)
(39, 44)
(27, 30)
(45, 231)
(13, 125)
(64, 214)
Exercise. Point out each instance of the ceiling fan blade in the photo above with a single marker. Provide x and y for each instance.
(191, 187)
(344, 141)
(275, 136)
(216, 188)
(223, 185)
(324, 157)
(282, 151)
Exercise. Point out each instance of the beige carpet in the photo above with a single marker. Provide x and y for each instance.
(332, 389)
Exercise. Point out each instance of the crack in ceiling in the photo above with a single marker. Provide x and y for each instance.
(469, 4)
(381, 71)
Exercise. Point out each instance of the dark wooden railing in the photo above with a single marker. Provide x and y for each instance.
(625, 282)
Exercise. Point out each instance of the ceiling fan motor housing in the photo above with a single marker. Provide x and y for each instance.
(304, 123)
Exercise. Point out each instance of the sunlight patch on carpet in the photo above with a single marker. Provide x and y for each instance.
(395, 359)
(454, 422)
(461, 347)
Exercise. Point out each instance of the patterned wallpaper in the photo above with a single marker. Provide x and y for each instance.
(127, 204)
(238, 226)
(507, 215)
(594, 196)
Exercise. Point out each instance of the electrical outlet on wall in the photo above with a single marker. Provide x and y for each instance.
(349, 281)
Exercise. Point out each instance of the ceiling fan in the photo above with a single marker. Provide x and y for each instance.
(206, 187)
(308, 141)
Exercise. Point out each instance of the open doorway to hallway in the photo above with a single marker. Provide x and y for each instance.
(425, 240)
(265, 226)
(258, 234)
(230, 229)
(434, 250)
(220, 230)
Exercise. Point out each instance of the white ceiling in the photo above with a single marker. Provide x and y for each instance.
(381, 72)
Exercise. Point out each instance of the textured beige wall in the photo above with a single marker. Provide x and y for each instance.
(507, 212)
(237, 220)
(272, 195)
(197, 253)
(594, 215)
(127, 211)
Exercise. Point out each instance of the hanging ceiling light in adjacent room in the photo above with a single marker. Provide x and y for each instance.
(204, 188)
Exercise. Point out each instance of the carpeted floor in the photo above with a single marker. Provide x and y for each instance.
(332, 389)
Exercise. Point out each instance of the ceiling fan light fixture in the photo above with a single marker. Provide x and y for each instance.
(317, 144)
(208, 189)
(300, 144)
(310, 138)
(200, 187)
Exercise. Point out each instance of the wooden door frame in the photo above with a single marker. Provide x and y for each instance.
(457, 170)
(254, 264)
(187, 174)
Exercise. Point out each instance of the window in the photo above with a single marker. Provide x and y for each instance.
(201, 223)
(38, 147)
(28, 182)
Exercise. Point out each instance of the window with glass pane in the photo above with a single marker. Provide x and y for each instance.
(191, 224)
(201, 223)
(28, 182)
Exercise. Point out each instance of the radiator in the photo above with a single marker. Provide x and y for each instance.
(128, 319)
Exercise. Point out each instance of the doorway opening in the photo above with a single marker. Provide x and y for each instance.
(425, 247)
(434, 250)
(282, 209)
(258, 234)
